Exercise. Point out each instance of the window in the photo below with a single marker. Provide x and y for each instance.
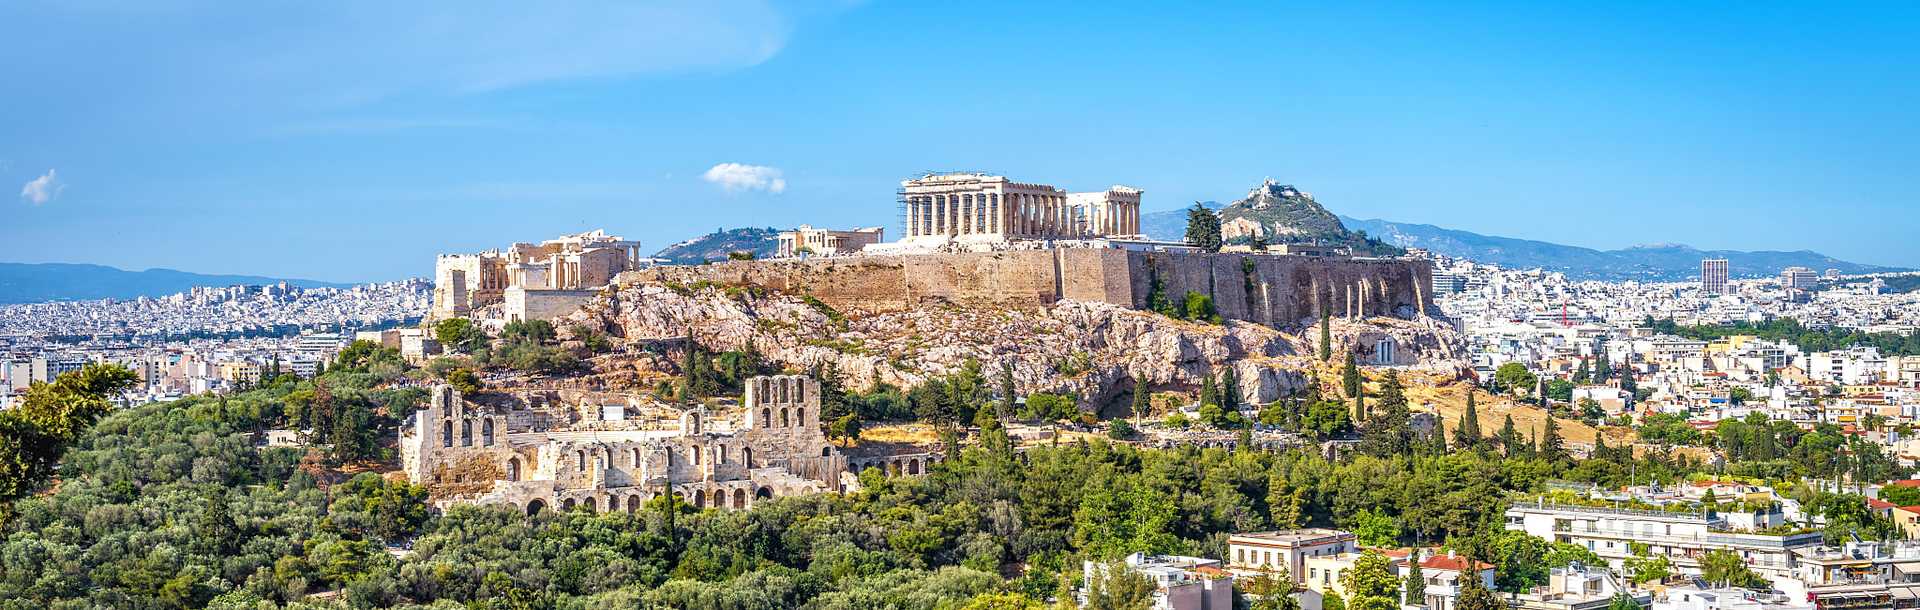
(486, 432)
(446, 434)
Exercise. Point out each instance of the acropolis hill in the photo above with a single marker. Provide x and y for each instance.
(1279, 291)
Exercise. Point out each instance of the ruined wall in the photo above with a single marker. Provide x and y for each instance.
(1271, 290)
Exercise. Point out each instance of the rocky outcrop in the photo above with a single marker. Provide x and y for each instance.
(1097, 351)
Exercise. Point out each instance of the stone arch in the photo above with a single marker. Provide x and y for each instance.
(800, 416)
(719, 498)
(446, 434)
(693, 453)
(633, 503)
(486, 432)
(566, 504)
(766, 417)
(764, 493)
(466, 433)
(739, 498)
(699, 499)
(513, 468)
(784, 421)
(693, 423)
(535, 506)
(826, 451)
(746, 456)
(592, 505)
(913, 466)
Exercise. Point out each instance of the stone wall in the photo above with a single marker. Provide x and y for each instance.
(1272, 290)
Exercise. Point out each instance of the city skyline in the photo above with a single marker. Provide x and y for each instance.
(319, 146)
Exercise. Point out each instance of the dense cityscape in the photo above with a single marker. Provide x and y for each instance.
(907, 306)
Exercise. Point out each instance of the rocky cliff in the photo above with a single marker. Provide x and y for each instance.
(1095, 350)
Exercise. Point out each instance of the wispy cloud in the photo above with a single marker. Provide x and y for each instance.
(736, 177)
(43, 189)
(353, 52)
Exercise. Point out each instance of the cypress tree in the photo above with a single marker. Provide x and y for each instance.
(1209, 392)
(1552, 447)
(1350, 377)
(1467, 434)
(1229, 389)
(1416, 584)
(1326, 335)
(1510, 441)
(1142, 399)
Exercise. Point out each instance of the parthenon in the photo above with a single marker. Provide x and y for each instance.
(993, 207)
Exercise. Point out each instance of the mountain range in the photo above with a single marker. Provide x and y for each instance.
(37, 282)
(1656, 262)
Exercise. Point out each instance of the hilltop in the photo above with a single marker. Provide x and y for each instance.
(718, 244)
(1279, 213)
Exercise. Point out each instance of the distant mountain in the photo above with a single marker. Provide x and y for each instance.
(716, 245)
(1661, 262)
(1657, 262)
(1279, 213)
(38, 282)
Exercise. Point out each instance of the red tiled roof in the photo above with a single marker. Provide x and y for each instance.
(1879, 504)
(1906, 483)
(1443, 562)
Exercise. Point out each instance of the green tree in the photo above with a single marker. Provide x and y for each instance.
(1552, 447)
(1476, 596)
(1467, 434)
(460, 334)
(1008, 399)
(1514, 378)
(1326, 335)
(1415, 593)
(1643, 567)
(846, 428)
(1142, 399)
(1203, 228)
(1114, 586)
(50, 417)
(1622, 601)
(1510, 442)
(1199, 308)
(1375, 528)
(1727, 568)
(1370, 583)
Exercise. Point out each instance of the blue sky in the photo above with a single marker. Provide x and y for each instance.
(351, 141)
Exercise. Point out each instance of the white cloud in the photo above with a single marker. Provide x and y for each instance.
(43, 189)
(735, 177)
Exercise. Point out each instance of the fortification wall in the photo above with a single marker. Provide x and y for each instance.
(1271, 290)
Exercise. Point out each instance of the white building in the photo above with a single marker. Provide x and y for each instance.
(1180, 582)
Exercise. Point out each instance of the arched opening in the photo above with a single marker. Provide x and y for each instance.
(719, 498)
(746, 456)
(636, 457)
(721, 451)
(695, 454)
(800, 416)
(580, 459)
(591, 504)
(784, 422)
(913, 466)
(699, 499)
(764, 493)
(466, 433)
(566, 504)
(826, 451)
(535, 507)
(513, 469)
(633, 503)
(766, 417)
(486, 432)
(446, 434)
(693, 423)
(739, 498)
